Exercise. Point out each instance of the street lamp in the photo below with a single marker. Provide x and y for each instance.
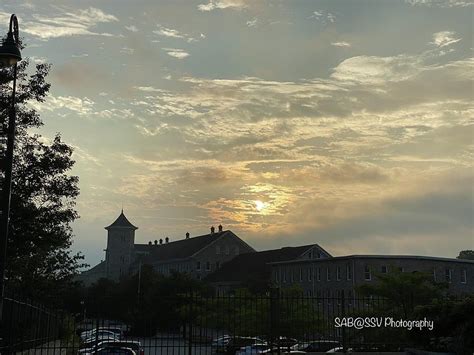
(10, 55)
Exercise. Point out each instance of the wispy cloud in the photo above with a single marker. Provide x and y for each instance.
(323, 16)
(441, 3)
(131, 28)
(341, 44)
(444, 38)
(176, 53)
(172, 33)
(252, 23)
(68, 23)
(224, 4)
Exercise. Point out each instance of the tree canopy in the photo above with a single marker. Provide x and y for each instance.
(466, 254)
(39, 260)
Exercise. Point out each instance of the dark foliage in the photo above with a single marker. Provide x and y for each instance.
(39, 259)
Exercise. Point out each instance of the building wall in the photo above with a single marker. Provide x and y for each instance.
(215, 254)
(356, 271)
(206, 261)
(120, 244)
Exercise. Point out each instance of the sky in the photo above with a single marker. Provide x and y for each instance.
(342, 123)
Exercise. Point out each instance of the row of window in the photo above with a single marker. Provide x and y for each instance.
(208, 265)
(226, 250)
(313, 274)
(316, 274)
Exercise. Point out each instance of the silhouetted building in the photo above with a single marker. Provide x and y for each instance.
(197, 256)
(253, 270)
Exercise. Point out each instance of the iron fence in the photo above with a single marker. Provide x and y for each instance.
(195, 324)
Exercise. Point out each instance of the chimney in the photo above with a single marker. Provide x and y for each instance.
(161, 241)
(156, 242)
(167, 240)
(187, 235)
(220, 227)
(150, 243)
(212, 230)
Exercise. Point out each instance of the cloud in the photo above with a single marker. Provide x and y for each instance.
(373, 69)
(176, 53)
(252, 23)
(131, 28)
(444, 38)
(224, 4)
(171, 33)
(341, 44)
(441, 3)
(68, 23)
(323, 16)
(66, 104)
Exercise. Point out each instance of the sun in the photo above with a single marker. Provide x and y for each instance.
(259, 205)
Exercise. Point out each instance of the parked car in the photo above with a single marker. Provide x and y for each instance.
(134, 345)
(90, 333)
(98, 337)
(339, 349)
(219, 344)
(254, 349)
(116, 351)
(317, 345)
(236, 343)
(285, 343)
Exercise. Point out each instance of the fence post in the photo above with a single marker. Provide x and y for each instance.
(274, 316)
(190, 320)
(343, 313)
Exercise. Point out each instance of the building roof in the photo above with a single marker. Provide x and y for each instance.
(179, 249)
(388, 257)
(255, 265)
(121, 222)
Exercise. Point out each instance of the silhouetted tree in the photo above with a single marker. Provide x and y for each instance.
(466, 254)
(39, 259)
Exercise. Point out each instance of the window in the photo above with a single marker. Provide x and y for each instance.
(208, 266)
(384, 269)
(463, 276)
(301, 274)
(318, 274)
(218, 264)
(236, 250)
(292, 276)
(319, 255)
(367, 273)
(218, 249)
(449, 275)
(198, 266)
(350, 296)
(310, 272)
(310, 255)
(284, 275)
(318, 295)
(349, 272)
(227, 250)
(338, 296)
(434, 274)
(329, 297)
(328, 274)
(199, 277)
(338, 273)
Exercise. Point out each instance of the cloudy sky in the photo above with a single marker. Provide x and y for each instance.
(343, 123)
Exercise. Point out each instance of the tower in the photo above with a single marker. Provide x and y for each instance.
(120, 245)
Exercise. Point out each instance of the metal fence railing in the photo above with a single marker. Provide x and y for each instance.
(195, 324)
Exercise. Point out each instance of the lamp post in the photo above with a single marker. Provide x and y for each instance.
(10, 55)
